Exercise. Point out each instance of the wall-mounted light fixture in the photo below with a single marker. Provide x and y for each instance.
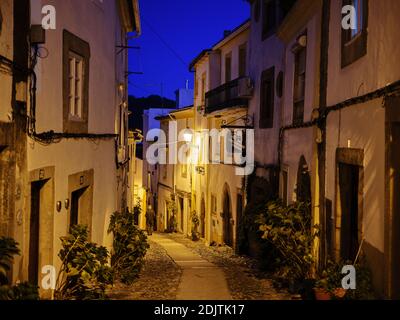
(302, 40)
(58, 206)
(66, 204)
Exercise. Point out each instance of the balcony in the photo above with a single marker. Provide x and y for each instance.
(235, 93)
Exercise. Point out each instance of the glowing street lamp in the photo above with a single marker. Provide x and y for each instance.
(188, 135)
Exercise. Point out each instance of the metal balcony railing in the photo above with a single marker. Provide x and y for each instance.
(227, 95)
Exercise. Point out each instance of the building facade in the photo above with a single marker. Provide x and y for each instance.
(72, 164)
(362, 140)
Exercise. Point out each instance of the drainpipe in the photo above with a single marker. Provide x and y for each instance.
(321, 124)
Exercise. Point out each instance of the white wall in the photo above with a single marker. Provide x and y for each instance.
(381, 64)
(301, 142)
(342, 129)
(233, 48)
(99, 25)
(6, 50)
(263, 57)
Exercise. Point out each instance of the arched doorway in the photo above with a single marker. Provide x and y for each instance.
(203, 218)
(227, 218)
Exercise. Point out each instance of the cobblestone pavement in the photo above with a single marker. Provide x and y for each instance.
(160, 277)
(244, 281)
(158, 280)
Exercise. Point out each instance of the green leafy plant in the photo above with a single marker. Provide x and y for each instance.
(23, 291)
(84, 273)
(290, 232)
(129, 247)
(364, 288)
(8, 249)
(330, 280)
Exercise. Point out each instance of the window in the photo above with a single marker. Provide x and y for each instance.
(300, 53)
(268, 18)
(228, 67)
(76, 55)
(203, 88)
(123, 120)
(165, 166)
(354, 41)
(75, 85)
(242, 60)
(196, 85)
(267, 98)
(358, 6)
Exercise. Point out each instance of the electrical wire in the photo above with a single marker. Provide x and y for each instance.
(173, 51)
(51, 137)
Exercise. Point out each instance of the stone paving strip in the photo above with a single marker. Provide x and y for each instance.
(177, 268)
(158, 280)
(201, 280)
(245, 282)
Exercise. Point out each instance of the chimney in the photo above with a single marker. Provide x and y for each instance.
(227, 33)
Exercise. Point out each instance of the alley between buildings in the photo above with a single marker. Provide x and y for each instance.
(177, 268)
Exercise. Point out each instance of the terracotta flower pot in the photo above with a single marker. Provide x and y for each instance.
(322, 294)
(339, 292)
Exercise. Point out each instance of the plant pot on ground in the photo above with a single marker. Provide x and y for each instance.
(322, 294)
(329, 284)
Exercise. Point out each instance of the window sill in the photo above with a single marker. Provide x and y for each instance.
(75, 119)
(353, 40)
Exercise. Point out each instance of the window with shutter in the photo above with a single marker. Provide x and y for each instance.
(354, 41)
(228, 67)
(243, 60)
(76, 56)
(269, 20)
(299, 84)
(267, 98)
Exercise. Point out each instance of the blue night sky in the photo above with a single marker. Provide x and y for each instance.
(186, 27)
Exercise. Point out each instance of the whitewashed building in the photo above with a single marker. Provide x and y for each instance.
(75, 153)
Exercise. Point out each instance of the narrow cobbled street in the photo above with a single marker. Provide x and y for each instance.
(178, 268)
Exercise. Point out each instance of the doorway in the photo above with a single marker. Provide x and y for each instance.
(395, 186)
(349, 202)
(76, 206)
(33, 266)
(203, 218)
(80, 190)
(227, 218)
(180, 200)
(239, 214)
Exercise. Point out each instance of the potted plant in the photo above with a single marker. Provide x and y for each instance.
(328, 286)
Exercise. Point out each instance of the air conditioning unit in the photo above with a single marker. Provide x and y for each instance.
(245, 88)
